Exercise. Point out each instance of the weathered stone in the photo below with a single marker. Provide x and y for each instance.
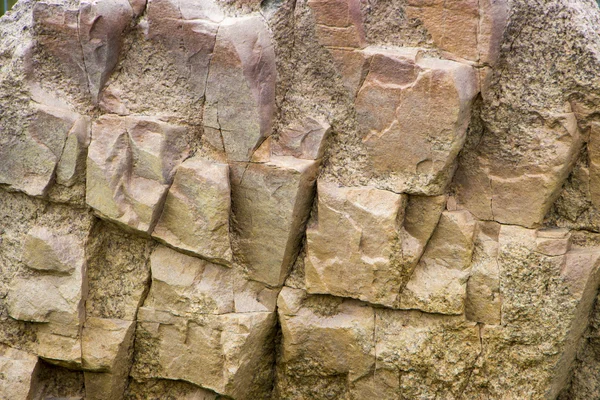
(131, 163)
(195, 215)
(59, 344)
(544, 299)
(327, 344)
(423, 356)
(420, 219)
(438, 284)
(351, 249)
(353, 66)
(118, 272)
(71, 166)
(226, 353)
(157, 389)
(105, 343)
(58, 294)
(28, 161)
(100, 27)
(185, 285)
(243, 63)
(467, 29)
(107, 348)
(413, 114)
(304, 139)
(18, 371)
(593, 148)
(44, 250)
(188, 30)
(341, 348)
(271, 203)
(484, 303)
(339, 23)
(87, 40)
(524, 193)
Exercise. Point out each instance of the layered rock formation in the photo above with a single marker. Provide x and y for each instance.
(322, 199)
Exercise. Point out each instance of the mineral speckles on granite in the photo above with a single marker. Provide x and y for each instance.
(313, 199)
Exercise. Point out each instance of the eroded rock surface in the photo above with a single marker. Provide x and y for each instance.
(320, 199)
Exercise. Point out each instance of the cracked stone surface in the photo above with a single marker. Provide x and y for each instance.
(312, 199)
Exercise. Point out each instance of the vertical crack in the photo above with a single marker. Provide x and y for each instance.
(87, 75)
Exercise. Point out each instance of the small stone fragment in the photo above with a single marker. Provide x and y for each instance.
(303, 139)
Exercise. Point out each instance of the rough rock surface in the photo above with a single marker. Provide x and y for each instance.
(300, 199)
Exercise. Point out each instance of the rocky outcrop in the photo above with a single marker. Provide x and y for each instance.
(314, 199)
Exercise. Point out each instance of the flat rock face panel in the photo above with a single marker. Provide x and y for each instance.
(271, 203)
(195, 215)
(350, 252)
(413, 114)
(243, 63)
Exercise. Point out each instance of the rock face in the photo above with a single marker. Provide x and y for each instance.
(319, 199)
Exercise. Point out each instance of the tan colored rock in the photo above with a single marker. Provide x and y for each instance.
(467, 29)
(322, 340)
(545, 299)
(185, 285)
(524, 193)
(353, 67)
(105, 343)
(18, 373)
(593, 148)
(305, 139)
(423, 356)
(28, 163)
(413, 133)
(243, 63)
(58, 294)
(351, 250)
(420, 219)
(341, 348)
(339, 23)
(71, 166)
(225, 353)
(59, 344)
(44, 250)
(101, 26)
(87, 40)
(452, 26)
(195, 216)
(131, 163)
(439, 282)
(188, 30)
(271, 203)
(484, 303)
(107, 348)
